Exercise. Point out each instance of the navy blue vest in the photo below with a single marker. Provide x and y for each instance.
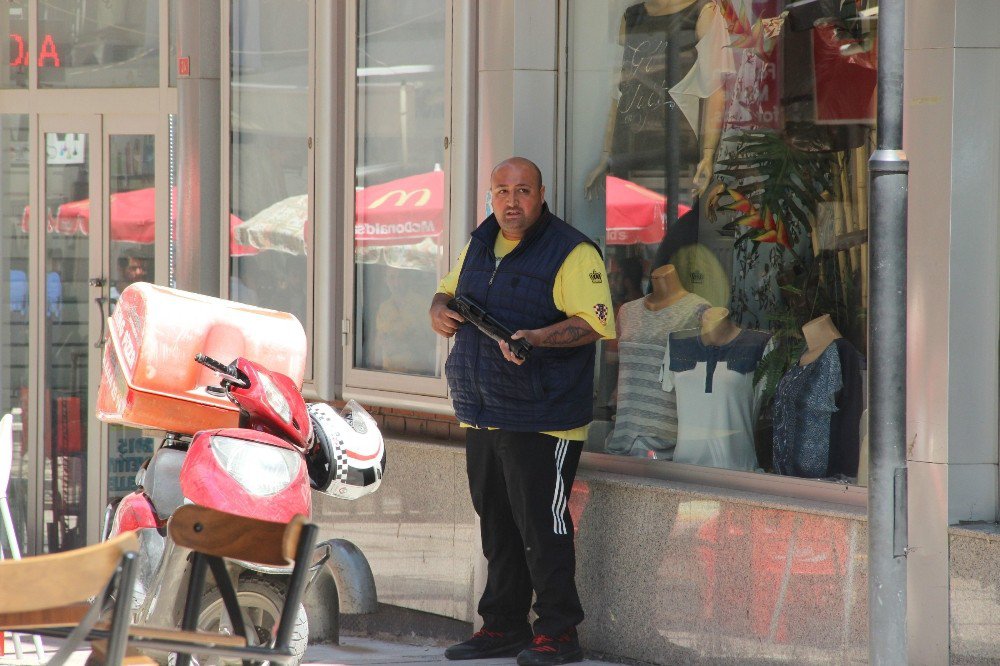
(553, 389)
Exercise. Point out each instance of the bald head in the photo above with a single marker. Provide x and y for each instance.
(523, 163)
(518, 196)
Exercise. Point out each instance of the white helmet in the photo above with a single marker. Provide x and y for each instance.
(347, 458)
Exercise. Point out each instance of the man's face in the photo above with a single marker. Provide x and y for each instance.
(135, 271)
(517, 198)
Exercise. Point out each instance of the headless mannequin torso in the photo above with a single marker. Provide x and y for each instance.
(717, 329)
(667, 288)
(819, 334)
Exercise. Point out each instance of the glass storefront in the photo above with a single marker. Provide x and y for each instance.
(269, 200)
(67, 262)
(15, 75)
(131, 215)
(108, 44)
(400, 209)
(719, 148)
(14, 306)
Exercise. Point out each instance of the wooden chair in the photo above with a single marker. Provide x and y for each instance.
(64, 594)
(213, 536)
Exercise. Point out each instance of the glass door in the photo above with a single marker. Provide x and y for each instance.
(99, 197)
(132, 202)
(70, 219)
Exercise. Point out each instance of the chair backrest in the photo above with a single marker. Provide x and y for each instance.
(236, 537)
(55, 580)
(6, 451)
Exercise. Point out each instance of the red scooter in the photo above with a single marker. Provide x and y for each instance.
(264, 468)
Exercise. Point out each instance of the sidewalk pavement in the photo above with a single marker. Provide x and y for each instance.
(351, 651)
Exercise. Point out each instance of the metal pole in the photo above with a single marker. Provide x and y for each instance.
(887, 512)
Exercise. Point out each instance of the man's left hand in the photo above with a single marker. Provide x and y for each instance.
(505, 348)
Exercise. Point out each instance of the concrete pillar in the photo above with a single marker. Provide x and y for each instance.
(518, 88)
(197, 264)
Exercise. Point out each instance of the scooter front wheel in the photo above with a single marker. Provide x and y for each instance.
(262, 600)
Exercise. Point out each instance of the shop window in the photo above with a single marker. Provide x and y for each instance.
(172, 63)
(14, 305)
(269, 155)
(15, 74)
(719, 147)
(401, 179)
(109, 44)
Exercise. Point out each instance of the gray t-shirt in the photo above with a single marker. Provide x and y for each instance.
(647, 415)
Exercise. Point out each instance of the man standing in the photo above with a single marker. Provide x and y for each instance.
(528, 418)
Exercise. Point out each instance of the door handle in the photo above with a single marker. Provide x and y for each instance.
(101, 300)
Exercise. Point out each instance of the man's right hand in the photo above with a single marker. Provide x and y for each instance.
(444, 320)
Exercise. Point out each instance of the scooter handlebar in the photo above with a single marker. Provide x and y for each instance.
(210, 362)
(228, 372)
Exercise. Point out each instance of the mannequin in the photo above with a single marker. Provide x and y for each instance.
(817, 407)
(646, 416)
(717, 329)
(819, 333)
(711, 368)
(646, 30)
(667, 288)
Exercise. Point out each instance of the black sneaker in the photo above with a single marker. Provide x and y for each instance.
(544, 650)
(485, 643)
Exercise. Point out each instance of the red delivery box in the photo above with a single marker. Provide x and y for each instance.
(149, 378)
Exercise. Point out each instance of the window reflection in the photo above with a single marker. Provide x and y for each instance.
(14, 308)
(67, 181)
(15, 74)
(399, 204)
(728, 177)
(270, 155)
(108, 44)
(132, 219)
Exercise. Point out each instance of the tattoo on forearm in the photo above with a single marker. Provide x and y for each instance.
(569, 336)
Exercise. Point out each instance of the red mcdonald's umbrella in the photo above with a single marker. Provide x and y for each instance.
(133, 216)
(404, 211)
(634, 214)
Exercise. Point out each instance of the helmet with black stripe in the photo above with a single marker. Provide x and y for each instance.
(347, 458)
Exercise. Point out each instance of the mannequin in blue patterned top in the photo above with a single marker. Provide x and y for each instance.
(817, 407)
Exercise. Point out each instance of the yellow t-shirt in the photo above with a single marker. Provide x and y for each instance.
(580, 290)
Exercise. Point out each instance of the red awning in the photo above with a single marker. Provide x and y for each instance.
(132, 219)
(404, 211)
(634, 214)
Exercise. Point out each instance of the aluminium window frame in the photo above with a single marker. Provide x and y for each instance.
(376, 387)
(317, 382)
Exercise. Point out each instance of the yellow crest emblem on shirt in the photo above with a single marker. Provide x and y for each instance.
(596, 277)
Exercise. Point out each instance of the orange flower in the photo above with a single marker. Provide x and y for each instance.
(783, 235)
(750, 217)
(740, 202)
(774, 230)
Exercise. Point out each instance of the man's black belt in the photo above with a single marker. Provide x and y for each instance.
(477, 315)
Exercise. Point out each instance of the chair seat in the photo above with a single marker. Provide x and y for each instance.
(194, 637)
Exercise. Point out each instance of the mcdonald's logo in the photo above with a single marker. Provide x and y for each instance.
(402, 196)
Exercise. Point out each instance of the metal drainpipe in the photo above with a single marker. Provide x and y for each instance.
(196, 265)
(887, 501)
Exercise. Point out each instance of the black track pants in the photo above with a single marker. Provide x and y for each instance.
(520, 484)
